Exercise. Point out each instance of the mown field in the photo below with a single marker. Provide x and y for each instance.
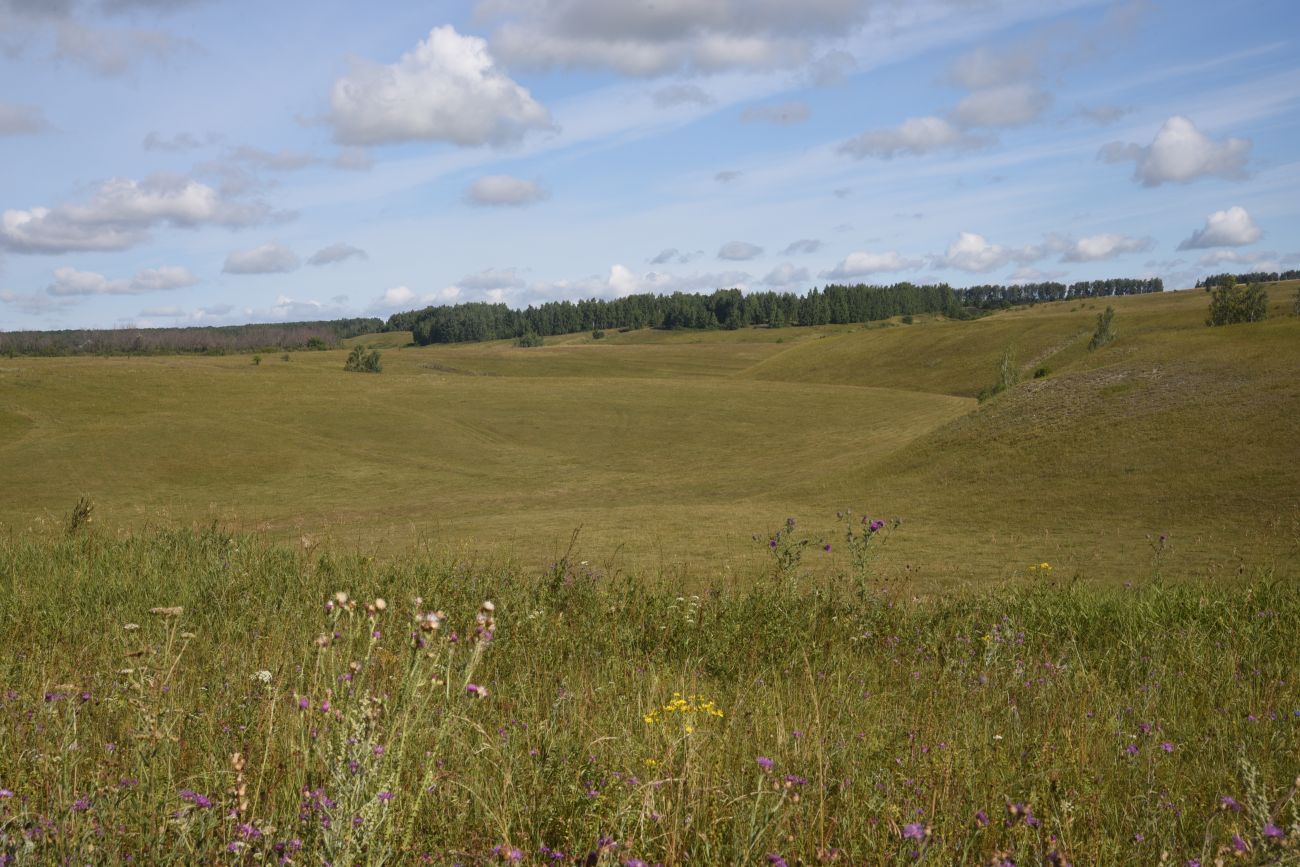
(672, 450)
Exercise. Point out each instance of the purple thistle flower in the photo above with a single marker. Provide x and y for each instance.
(776, 860)
(385, 797)
(1227, 802)
(981, 819)
(1167, 747)
(81, 805)
(1238, 844)
(914, 831)
(1273, 831)
(196, 799)
(771, 543)
(827, 547)
(6, 793)
(876, 525)
(765, 763)
(1131, 749)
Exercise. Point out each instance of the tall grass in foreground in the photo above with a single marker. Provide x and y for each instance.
(258, 715)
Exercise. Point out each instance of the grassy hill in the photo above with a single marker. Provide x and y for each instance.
(671, 449)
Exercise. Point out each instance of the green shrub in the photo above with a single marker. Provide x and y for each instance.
(257, 360)
(907, 320)
(1105, 331)
(597, 334)
(1237, 303)
(1041, 372)
(360, 361)
(529, 339)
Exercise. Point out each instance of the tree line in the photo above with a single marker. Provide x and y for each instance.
(1252, 277)
(212, 340)
(730, 309)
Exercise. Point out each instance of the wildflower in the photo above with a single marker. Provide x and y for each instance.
(475, 690)
(262, 676)
(81, 805)
(384, 797)
(915, 831)
(171, 611)
(6, 793)
(130, 627)
(1273, 831)
(1131, 749)
(827, 547)
(1167, 747)
(876, 525)
(776, 860)
(981, 819)
(201, 801)
(1238, 844)
(1227, 802)
(380, 604)
(765, 763)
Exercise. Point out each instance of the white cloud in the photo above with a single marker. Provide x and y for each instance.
(804, 245)
(972, 252)
(504, 190)
(786, 274)
(334, 253)
(111, 52)
(34, 304)
(279, 161)
(988, 68)
(1231, 228)
(1181, 153)
(448, 88)
(1007, 105)
(672, 254)
(649, 39)
(739, 251)
(18, 119)
(491, 278)
(1029, 274)
(1263, 259)
(781, 113)
(1104, 246)
(681, 94)
(397, 296)
(727, 176)
(120, 214)
(860, 264)
(71, 282)
(269, 258)
(178, 143)
(916, 136)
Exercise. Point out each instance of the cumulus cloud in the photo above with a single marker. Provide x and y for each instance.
(988, 68)
(739, 251)
(650, 39)
(786, 274)
(1095, 248)
(396, 296)
(972, 252)
(831, 69)
(804, 245)
(1231, 228)
(71, 282)
(915, 136)
(18, 119)
(782, 113)
(448, 88)
(504, 190)
(1007, 105)
(120, 213)
(681, 94)
(1181, 153)
(269, 258)
(335, 253)
(860, 264)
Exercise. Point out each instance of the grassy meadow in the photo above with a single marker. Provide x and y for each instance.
(771, 596)
(672, 450)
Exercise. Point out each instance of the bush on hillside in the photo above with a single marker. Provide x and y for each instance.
(529, 339)
(1237, 303)
(360, 361)
(1105, 332)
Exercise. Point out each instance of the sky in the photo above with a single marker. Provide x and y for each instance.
(200, 162)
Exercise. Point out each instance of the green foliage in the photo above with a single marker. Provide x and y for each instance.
(529, 339)
(286, 357)
(907, 320)
(315, 344)
(360, 361)
(79, 518)
(257, 360)
(1041, 372)
(366, 710)
(1232, 304)
(1008, 375)
(1105, 330)
(597, 334)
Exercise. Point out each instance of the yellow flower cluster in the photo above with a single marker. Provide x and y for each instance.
(691, 708)
(1041, 567)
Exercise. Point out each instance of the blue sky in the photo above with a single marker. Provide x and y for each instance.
(203, 162)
